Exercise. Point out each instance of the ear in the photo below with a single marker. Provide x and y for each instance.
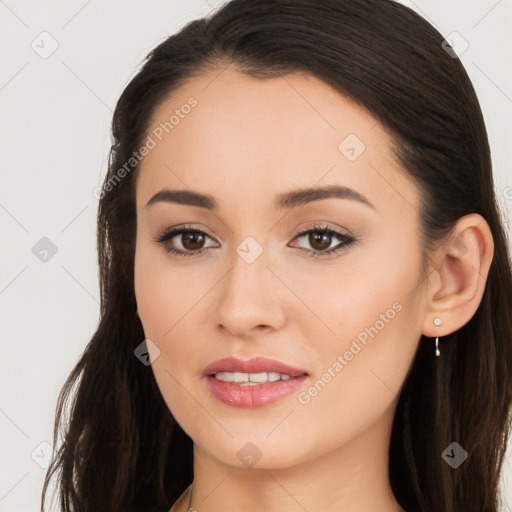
(457, 283)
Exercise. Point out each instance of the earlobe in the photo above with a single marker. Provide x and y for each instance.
(460, 276)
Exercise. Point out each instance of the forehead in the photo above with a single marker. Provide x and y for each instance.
(246, 137)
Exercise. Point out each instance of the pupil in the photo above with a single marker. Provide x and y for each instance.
(195, 238)
(314, 238)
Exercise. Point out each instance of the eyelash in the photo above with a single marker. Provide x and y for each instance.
(346, 240)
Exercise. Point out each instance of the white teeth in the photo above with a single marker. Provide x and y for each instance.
(251, 379)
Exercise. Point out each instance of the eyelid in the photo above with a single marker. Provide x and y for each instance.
(326, 226)
(179, 228)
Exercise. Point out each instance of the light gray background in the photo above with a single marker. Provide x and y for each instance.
(55, 139)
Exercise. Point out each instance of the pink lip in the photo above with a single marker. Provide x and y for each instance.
(238, 395)
(254, 365)
(251, 397)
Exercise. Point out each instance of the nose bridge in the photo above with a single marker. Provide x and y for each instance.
(246, 299)
(249, 270)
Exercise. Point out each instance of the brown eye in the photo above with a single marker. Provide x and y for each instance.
(183, 241)
(192, 241)
(319, 240)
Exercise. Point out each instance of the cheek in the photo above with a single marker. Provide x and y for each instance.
(368, 309)
(376, 315)
(151, 304)
(359, 372)
(364, 291)
(165, 292)
(162, 301)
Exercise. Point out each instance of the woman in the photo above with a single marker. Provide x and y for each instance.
(306, 291)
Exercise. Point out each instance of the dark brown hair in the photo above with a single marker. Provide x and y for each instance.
(121, 449)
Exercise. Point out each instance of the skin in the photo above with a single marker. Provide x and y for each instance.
(245, 142)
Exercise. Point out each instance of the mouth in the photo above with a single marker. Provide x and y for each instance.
(253, 383)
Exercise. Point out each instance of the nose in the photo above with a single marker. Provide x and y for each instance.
(251, 298)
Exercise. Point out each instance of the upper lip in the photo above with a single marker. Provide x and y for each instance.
(254, 365)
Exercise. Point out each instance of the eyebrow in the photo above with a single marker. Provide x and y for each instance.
(286, 200)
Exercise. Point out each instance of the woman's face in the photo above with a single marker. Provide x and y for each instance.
(254, 285)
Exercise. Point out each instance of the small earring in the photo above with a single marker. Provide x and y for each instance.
(437, 322)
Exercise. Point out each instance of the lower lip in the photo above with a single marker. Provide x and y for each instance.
(253, 396)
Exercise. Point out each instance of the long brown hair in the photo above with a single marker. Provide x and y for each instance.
(121, 449)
